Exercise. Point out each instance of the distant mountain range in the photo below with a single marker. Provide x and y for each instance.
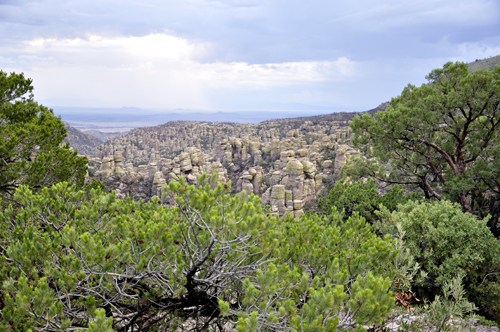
(99, 124)
(85, 141)
(126, 118)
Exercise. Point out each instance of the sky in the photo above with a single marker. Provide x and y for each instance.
(238, 54)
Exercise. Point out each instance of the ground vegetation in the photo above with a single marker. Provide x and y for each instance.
(73, 261)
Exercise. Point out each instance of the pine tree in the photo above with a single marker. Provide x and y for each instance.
(31, 141)
(213, 261)
(442, 137)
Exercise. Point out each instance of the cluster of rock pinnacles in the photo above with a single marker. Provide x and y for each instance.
(280, 161)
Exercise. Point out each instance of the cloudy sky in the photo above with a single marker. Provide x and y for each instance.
(238, 54)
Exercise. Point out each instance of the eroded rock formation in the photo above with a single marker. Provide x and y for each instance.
(283, 161)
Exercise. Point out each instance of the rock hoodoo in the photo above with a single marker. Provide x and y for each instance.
(283, 161)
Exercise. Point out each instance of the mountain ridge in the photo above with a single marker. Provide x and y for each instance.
(488, 63)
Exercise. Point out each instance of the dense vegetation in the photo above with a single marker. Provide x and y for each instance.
(448, 243)
(77, 258)
(442, 137)
(362, 198)
(211, 260)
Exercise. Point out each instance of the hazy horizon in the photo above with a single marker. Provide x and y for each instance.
(126, 118)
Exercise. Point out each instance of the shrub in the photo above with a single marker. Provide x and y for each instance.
(361, 197)
(447, 243)
(448, 312)
(73, 260)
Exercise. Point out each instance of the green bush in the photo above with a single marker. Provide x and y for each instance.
(91, 171)
(447, 242)
(75, 260)
(361, 197)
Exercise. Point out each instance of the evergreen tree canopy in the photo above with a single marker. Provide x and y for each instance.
(363, 198)
(31, 136)
(448, 243)
(443, 137)
(73, 261)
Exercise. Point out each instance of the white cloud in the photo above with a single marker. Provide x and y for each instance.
(159, 46)
(265, 75)
(156, 70)
(471, 51)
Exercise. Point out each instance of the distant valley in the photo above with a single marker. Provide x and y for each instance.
(126, 118)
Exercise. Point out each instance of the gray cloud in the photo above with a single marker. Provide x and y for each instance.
(265, 31)
(391, 42)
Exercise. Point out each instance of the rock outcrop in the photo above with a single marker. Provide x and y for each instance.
(78, 140)
(125, 179)
(283, 161)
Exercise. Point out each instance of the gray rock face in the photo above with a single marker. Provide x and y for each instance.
(283, 161)
(185, 162)
(148, 180)
(81, 141)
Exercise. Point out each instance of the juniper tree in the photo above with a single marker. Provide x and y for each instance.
(442, 137)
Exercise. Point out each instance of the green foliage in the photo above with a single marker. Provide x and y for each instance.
(31, 149)
(94, 185)
(444, 311)
(91, 171)
(487, 322)
(101, 323)
(447, 243)
(328, 154)
(442, 137)
(450, 311)
(333, 267)
(408, 272)
(88, 260)
(361, 197)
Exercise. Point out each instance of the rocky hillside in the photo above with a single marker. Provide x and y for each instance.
(100, 135)
(84, 143)
(488, 63)
(287, 162)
